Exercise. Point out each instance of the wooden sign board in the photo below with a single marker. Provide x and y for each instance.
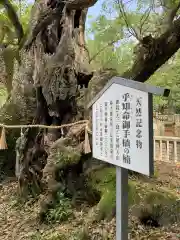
(123, 135)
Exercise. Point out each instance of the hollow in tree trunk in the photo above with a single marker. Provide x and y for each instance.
(61, 66)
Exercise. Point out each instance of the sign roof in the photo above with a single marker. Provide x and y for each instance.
(132, 84)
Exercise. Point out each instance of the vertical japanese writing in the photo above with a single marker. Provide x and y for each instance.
(105, 129)
(139, 123)
(97, 127)
(118, 120)
(126, 126)
(111, 129)
(101, 129)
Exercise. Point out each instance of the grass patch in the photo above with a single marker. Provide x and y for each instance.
(60, 211)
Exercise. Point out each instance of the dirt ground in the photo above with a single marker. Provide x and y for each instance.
(19, 222)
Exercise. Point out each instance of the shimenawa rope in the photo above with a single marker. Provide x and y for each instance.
(3, 143)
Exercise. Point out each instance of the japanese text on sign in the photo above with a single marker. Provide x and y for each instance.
(106, 128)
(97, 128)
(118, 121)
(126, 126)
(111, 129)
(139, 123)
(120, 128)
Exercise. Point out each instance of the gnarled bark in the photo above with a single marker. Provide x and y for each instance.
(61, 64)
(152, 53)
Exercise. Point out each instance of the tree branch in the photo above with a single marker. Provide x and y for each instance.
(130, 29)
(163, 48)
(14, 18)
(136, 32)
(79, 4)
(101, 50)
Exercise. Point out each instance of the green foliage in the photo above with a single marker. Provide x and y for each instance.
(67, 155)
(8, 37)
(107, 49)
(7, 31)
(111, 38)
(114, 33)
(169, 76)
(60, 211)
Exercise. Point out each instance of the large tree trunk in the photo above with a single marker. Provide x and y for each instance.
(61, 66)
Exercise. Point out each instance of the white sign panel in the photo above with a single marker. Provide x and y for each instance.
(121, 128)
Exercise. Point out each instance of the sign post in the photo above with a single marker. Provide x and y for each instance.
(123, 135)
(121, 203)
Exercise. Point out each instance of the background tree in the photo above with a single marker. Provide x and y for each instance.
(138, 21)
(10, 38)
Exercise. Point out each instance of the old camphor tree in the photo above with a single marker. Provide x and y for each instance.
(55, 64)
